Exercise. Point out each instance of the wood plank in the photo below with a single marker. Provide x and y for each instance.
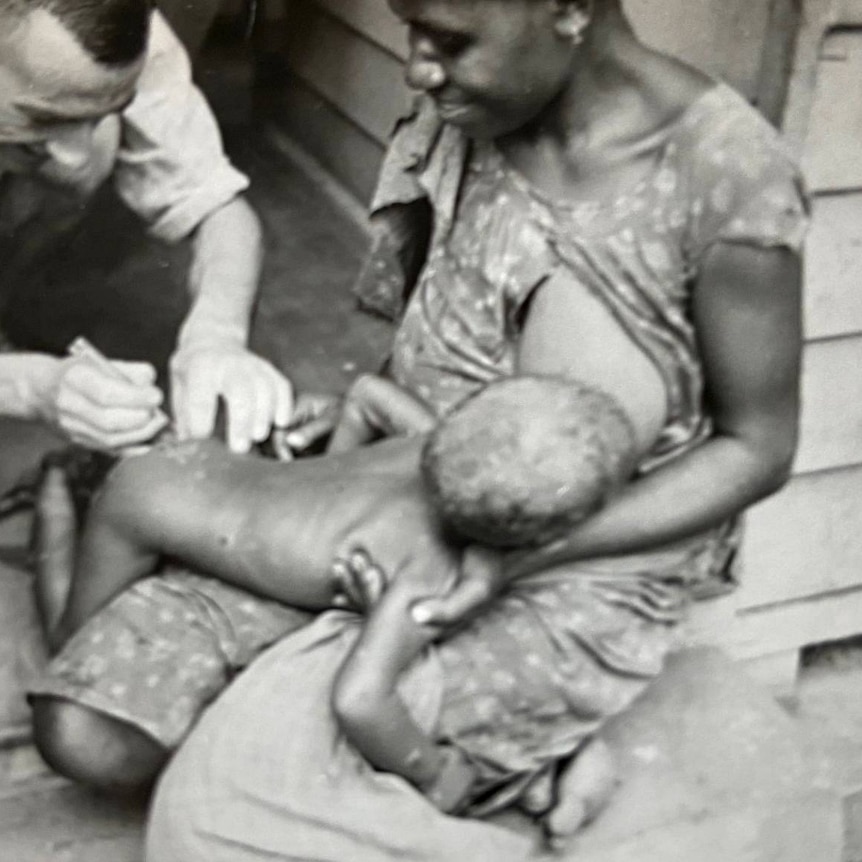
(778, 671)
(804, 541)
(774, 629)
(365, 84)
(725, 39)
(833, 266)
(817, 18)
(348, 153)
(823, 618)
(776, 60)
(373, 19)
(832, 158)
(831, 421)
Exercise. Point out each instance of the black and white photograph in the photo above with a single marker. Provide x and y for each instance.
(431, 430)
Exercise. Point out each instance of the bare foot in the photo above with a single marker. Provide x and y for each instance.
(584, 788)
(538, 796)
(54, 543)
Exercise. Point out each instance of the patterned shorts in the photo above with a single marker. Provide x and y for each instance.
(164, 649)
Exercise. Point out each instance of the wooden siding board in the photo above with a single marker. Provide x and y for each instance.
(831, 421)
(373, 19)
(722, 38)
(362, 81)
(804, 541)
(833, 266)
(832, 158)
(766, 631)
(347, 152)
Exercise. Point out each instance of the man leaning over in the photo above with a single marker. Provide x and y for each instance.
(90, 91)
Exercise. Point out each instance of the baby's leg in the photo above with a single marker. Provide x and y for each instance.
(119, 545)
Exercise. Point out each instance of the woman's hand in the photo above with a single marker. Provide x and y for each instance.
(481, 579)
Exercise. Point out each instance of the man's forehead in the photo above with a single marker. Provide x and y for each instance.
(49, 65)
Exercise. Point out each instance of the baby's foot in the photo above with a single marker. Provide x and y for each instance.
(450, 791)
(584, 788)
(538, 796)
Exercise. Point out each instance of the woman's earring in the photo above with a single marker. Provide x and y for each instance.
(575, 26)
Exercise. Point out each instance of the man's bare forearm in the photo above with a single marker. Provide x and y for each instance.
(224, 275)
(25, 383)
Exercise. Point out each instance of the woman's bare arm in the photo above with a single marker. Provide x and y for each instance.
(747, 316)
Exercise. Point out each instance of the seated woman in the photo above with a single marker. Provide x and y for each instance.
(519, 463)
(565, 201)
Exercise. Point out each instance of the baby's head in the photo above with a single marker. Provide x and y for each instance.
(526, 459)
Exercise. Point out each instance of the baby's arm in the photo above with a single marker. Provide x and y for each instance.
(375, 407)
(372, 714)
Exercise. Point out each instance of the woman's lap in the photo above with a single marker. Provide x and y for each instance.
(267, 775)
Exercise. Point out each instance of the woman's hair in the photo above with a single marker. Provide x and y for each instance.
(112, 32)
(526, 459)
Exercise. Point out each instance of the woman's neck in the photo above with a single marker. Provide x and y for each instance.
(612, 116)
(620, 96)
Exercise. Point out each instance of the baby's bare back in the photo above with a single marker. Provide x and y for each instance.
(276, 528)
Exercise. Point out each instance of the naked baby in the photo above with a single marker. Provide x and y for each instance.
(519, 463)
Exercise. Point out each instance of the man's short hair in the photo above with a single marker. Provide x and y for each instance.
(112, 32)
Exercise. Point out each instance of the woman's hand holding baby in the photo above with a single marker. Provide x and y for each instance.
(482, 577)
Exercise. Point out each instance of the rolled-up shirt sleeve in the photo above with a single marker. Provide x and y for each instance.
(171, 168)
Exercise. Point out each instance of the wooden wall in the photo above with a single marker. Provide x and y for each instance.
(802, 559)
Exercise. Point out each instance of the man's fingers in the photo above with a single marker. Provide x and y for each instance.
(195, 407)
(262, 408)
(98, 438)
(94, 385)
(240, 418)
(142, 373)
(282, 396)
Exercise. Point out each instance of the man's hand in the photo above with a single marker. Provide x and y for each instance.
(257, 396)
(97, 408)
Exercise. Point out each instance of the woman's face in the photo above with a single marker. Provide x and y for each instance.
(491, 66)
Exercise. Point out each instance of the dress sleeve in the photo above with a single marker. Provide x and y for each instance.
(171, 168)
(745, 187)
(421, 173)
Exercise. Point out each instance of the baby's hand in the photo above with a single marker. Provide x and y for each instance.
(360, 582)
(314, 417)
